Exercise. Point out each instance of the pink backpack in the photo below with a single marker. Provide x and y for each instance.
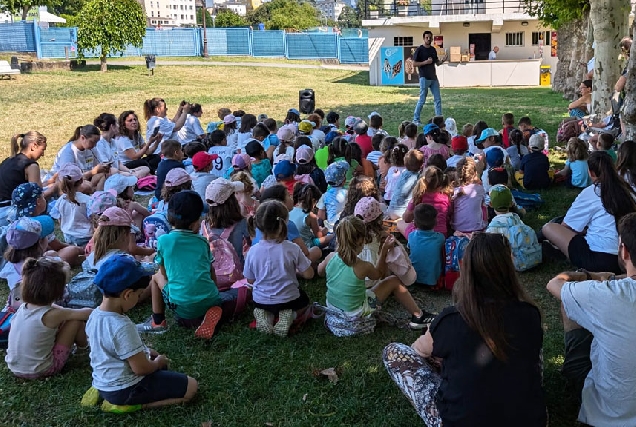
(226, 261)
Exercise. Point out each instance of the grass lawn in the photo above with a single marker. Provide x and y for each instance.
(247, 378)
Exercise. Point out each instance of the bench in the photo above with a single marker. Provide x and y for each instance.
(6, 70)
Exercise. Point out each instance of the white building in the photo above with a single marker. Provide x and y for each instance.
(171, 13)
(330, 9)
(238, 8)
(524, 44)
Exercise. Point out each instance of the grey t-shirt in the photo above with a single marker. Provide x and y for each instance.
(113, 338)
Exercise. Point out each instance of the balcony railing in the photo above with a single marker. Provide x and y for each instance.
(376, 9)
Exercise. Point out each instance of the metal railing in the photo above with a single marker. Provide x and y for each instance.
(376, 9)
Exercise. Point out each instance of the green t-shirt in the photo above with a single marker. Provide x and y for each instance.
(613, 155)
(344, 290)
(261, 170)
(186, 257)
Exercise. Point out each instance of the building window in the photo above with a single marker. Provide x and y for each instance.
(191, 17)
(151, 4)
(540, 35)
(514, 39)
(152, 13)
(402, 41)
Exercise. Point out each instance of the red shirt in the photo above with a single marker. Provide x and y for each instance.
(364, 141)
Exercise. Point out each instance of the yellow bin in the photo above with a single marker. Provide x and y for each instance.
(544, 75)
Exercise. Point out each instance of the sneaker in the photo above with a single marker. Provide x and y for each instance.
(90, 398)
(264, 320)
(208, 326)
(422, 322)
(285, 319)
(119, 409)
(416, 123)
(149, 326)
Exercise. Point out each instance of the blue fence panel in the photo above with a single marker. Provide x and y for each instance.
(229, 41)
(58, 42)
(177, 42)
(312, 46)
(17, 37)
(354, 51)
(268, 43)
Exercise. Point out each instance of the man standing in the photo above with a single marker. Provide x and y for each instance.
(598, 319)
(425, 58)
(493, 53)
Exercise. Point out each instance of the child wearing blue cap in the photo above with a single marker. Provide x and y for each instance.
(332, 203)
(126, 374)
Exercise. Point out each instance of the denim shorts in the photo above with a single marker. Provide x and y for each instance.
(158, 386)
(77, 241)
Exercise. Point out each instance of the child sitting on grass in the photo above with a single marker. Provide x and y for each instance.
(606, 143)
(536, 166)
(285, 171)
(172, 158)
(305, 198)
(261, 166)
(468, 199)
(42, 333)
(403, 192)
(347, 297)
(575, 170)
(124, 187)
(70, 208)
(244, 195)
(201, 178)
(126, 374)
(176, 180)
(426, 246)
(191, 292)
(332, 203)
(271, 266)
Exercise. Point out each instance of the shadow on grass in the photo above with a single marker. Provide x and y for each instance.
(96, 67)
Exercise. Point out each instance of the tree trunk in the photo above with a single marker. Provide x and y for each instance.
(629, 105)
(609, 20)
(25, 12)
(571, 51)
(102, 63)
(142, 3)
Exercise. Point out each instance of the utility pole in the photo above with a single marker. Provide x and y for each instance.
(205, 32)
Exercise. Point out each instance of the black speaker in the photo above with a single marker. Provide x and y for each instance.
(307, 101)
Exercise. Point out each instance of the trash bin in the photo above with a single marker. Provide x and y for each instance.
(544, 76)
(150, 63)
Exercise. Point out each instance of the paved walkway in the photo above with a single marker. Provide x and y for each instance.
(236, 64)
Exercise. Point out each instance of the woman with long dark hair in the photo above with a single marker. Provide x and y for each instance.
(488, 346)
(133, 151)
(588, 235)
(626, 162)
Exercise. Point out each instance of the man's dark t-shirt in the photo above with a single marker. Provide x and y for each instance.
(421, 54)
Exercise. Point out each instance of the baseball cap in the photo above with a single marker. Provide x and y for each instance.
(100, 201)
(487, 133)
(26, 232)
(284, 169)
(293, 110)
(241, 161)
(177, 176)
(219, 190)
(116, 217)
(186, 205)
(430, 128)
(70, 170)
(536, 142)
(494, 157)
(306, 127)
(119, 183)
(336, 172)
(262, 117)
(500, 197)
(369, 209)
(253, 148)
(202, 160)
(25, 198)
(120, 272)
(373, 113)
(459, 143)
(304, 154)
(451, 126)
(229, 119)
(286, 133)
(351, 121)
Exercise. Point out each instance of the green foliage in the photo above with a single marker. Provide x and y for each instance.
(228, 18)
(350, 18)
(111, 24)
(554, 13)
(68, 8)
(285, 14)
(208, 17)
(23, 6)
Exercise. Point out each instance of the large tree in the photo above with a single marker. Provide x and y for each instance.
(629, 105)
(228, 18)
(350, 17)
(111, 25)
(23, 6)
(285, 14)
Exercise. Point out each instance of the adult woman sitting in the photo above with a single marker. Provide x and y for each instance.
(489, 345)
(588, 235)
(21, 167)
(157, 123)
(80, 150)
(582, 106)
(133, 152)
(107, 150)
(192, 130)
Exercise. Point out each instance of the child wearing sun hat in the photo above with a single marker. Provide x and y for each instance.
(70, 208)
(332, 202)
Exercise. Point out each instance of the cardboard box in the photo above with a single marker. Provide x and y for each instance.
(455, 50)
(455, 57)
(465, 58)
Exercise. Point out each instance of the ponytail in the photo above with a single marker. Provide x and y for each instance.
(25, 139)
(149, 107)
(15, 148)
(617, 196)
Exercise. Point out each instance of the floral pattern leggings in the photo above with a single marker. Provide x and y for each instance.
(417, 379)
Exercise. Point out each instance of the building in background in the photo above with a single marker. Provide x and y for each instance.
(330, 9)
(171, 13)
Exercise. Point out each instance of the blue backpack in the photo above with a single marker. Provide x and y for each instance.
(528, 201)
(454, 250)
(526, 249)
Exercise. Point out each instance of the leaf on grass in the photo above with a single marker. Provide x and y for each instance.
(305, 397)
(330, 373)
(206, 424)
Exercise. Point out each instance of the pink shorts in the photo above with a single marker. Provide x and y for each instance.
(60, 356)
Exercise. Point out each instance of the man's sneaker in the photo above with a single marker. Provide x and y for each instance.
(149, 326)
(285, 319)
(264, 320)
(416, 123)
(208, 326)
(422, 322)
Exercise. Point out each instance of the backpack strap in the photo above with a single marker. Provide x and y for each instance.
(204, 229)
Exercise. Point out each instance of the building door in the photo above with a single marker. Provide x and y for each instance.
(482, 45)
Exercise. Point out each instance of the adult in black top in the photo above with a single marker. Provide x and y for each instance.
(479, 364)
(425, 59)
(22, 166)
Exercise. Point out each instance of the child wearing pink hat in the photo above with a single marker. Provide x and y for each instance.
(176, 180)
(70, 208)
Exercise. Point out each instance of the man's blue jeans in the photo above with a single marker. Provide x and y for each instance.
(425, 85)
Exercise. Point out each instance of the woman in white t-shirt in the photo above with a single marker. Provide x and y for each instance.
(107, 149)
(157, 123)
(80, 151)
(132, 151)
(588, 235)
(192, 130)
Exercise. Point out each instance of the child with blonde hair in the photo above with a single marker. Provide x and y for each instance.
(575, 170)
(349, 303)
(245, 199)
(42, 333)
(305, 198)
(469, 212)
(70, 208)
(271, 267)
